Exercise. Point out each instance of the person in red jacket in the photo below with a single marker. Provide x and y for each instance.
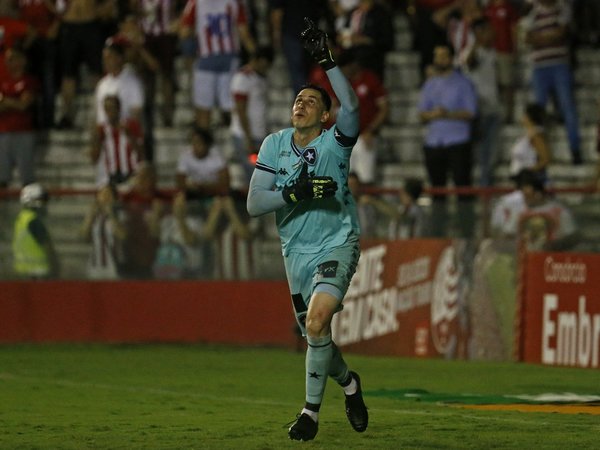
(18, 92)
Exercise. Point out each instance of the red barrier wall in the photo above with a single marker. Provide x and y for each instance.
(147, 311)
(560, 313)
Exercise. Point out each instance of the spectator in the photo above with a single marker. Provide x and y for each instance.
(373, 109)
(407, 220)
(104, 228)
(15, 31)
(341, 10)
(220, 27)
(426, 34)
(185, 238)
(531, 151)
(479, 63)
(598, 146)
(370, 33)
(249, 120)
(201, 169)
(448, 105)
(120, 80)
(158, 21)
(286, 18)
(33, 250)
(80, 41)
(547, 224)
(504, 220)
(117, 145)
(504, 19)
(18, 92)
(43, 54)
(456, 19)
(144, 207)
(547, 33)
(366, 211)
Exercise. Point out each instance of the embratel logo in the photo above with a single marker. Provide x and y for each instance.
(444, 301)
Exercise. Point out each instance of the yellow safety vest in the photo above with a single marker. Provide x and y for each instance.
(30, 258)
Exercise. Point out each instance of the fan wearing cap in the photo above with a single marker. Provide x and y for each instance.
(33, 250)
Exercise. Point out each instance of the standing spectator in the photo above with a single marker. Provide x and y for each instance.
(144, 207)
(220, 27)
(158, 21)
(448, 105)
(547, 224)
(287, 21)
(480, 65)
(531, 151)
(117, 145)
(370, 33)
(14, 31)
(43, 54)
(548, 34)
(201, 169)
(373, 110)
(104, 228)
(18, 92)
(120, 80)
(407, 220)
(456, 19)
(33, 250)
(80, 41)
(504, 19)
(249, 119)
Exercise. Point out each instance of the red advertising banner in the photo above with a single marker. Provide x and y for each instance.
(407, 298)
(561, 309)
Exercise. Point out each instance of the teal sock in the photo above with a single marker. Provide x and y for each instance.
(338, 369)
(318, 360)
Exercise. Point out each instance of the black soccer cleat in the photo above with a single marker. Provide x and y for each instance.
(356, 410)
(303, 429)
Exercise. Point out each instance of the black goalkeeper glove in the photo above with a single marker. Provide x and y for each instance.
(306, 187)
(315, 43)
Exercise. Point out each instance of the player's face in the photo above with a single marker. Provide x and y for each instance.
(308, 110)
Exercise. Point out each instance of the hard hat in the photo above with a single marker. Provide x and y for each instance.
(33, 195)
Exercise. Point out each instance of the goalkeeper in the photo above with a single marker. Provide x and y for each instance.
(301, 174)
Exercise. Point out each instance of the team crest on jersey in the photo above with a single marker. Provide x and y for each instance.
(310, 155)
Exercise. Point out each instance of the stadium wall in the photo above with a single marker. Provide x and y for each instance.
(248, 313)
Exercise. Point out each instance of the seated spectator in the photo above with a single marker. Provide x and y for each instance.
(547, 224)
(201, 169)
(407, 220)
(117, 145)
(18, 92)
(186, 236)
(144, 207)
(531, 151)
(33, 250)
(504, 220)
(104, 228)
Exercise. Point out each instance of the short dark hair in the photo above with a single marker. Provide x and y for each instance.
(528, 177)
(324, 94)
(205, 134)
(413, 187)
(536, 113)
(264, 52)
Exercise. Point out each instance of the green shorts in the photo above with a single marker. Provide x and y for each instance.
(331, 270)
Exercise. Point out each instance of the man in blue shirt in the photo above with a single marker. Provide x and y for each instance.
(302, 175)
(448, 105)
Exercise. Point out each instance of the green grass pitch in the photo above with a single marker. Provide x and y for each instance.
(211, 397)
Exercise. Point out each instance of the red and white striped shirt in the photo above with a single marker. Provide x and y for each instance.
(216, 24)
(118, 156)
(546, 19)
